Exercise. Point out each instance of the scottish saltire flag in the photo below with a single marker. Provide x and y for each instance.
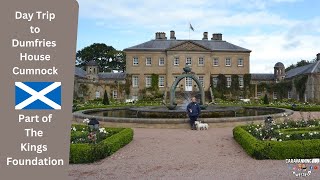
(38, 95)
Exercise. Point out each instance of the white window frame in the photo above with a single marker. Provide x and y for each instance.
(176, 61)
(135, 81)
(161, 81)
(148, 81)
(135, 61)
(215, 81)
(201, 79)
(199, 60)
(228, 60)
(241, 83)
(161, 59)
(229, 82)
(215, 60)
(187, 59)
(148, 61)
(240, 60)
(115, 94)
(275, 95)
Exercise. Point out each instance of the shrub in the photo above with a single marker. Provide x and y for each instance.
(86, 153)
(105, 98)
(274, 149)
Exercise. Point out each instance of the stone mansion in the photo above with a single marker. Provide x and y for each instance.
(167, 57)
(208, 57)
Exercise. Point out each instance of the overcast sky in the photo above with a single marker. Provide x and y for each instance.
(275, 30)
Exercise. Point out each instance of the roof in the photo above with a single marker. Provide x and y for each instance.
(113, 76)
(307, 69)
(279, 64)
(262, 77)
(92, 63)
(80, 72)
(164, 44)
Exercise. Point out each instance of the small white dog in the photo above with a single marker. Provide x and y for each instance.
(201, 126)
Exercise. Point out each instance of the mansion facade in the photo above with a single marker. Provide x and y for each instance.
(166, 57)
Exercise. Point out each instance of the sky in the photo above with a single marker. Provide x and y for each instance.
(284, 31)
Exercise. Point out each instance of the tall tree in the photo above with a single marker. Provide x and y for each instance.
(107, 57)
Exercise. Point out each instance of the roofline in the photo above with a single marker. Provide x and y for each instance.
(165, 50)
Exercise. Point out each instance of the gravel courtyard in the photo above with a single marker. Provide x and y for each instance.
(185, 154)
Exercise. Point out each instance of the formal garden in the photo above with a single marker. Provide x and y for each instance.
(90, 143)
(282, 140)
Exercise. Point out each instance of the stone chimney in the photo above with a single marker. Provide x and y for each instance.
(217, 37)
(205, 36)
(161, 35)
(172, 35)
(318, 57)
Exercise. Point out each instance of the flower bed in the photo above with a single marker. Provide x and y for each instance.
(87, 146)
(293, 139)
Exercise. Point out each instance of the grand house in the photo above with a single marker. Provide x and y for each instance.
(166, 57)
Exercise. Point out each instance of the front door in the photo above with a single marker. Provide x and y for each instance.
(188, 84)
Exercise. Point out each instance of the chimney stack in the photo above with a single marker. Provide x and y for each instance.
(205, 36)
(172, 35)
(318, 56)
(217, 37)
(161, 35)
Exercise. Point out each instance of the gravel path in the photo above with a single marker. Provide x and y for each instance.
(184, 154)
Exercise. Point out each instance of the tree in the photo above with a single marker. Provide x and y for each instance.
(299, 64)
(235, 86)
(107, 57)
(105, 98)
(265, 99)
(222, 84)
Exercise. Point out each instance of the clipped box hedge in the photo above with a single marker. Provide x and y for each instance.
(87, 153)
(274, 149)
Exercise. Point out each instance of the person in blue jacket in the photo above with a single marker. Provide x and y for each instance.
(193, 110)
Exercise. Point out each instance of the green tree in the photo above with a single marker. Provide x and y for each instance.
(105, 98)
(265, 99)
(107, 57)
(221, 85)
(235, 89)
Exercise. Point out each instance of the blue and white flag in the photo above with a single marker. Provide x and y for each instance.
(38, 95)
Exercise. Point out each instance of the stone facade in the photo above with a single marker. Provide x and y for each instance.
(167, 58)
(91, 84)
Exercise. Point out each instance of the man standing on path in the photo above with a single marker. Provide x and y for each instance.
(193, 110)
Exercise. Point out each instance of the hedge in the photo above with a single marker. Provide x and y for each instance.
(274, 149)
(87, 153)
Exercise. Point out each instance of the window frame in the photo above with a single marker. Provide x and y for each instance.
(161, 77)
(214, 60)
(148, 58)
(135, 63)
(146, 83)
(242, 62)
(133, 81)
(228, 59)
(202, 61)
(115, 93)
(161, 58)
(189, 58)
(176, 59)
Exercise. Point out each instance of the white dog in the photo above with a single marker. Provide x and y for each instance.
(201, 126)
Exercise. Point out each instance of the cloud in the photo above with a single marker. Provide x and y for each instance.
(251, 24)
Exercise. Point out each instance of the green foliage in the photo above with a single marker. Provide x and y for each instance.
(246, 84)
(128, 84)
(221, 85)
(299, 64)
(87, 153)
(300, 85)
(154, 82)
(235, 89)
(265, 99)
(274, 149)
(105, 56)
(105, 98)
